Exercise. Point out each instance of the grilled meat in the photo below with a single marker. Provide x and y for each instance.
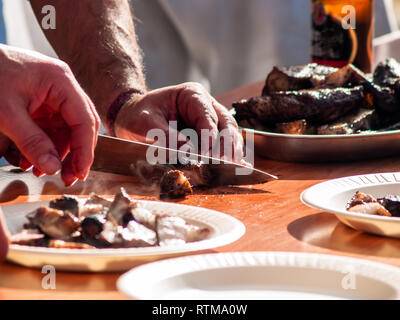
(120, 208)
(69, 203)
(54, 223)
(95, 199)
(312, 99)
(361, 120)
(175, 231)
(365, 203)
(175, 180)
(104, 224)
(392, 204)
(145, 217)
(315, 106)
(294, 127)
(296, 78)
(29, 237)
(91, 209)
(137, 235)
(174, 184)
(346, 77)
(387, 73)
(92, 226)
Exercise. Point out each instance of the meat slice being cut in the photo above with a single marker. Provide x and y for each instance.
(316, 106)
(174, 184)
(296, 78)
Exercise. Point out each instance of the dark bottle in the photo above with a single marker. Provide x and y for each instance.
(342, 33)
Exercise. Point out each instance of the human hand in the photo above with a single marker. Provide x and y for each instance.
(46, 115)
(191, 106)
(4, 238)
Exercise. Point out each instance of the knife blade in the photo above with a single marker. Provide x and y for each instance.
(119, 156)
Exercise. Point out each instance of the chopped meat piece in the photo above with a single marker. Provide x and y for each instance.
(109, 237)
(365, 203)
(175, 230)
(392, 204)
(145, 217)
(137, 235)
(174, 184)
(92, 226)
(373, 208)
(120, 207)
(69, 203)
(198, 174)
(54, 223)
(91, 209)
(360, 198)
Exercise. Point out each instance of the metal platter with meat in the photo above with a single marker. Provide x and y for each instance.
(100, 223)
(320, 100)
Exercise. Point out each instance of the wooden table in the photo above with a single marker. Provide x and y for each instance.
(274, 216)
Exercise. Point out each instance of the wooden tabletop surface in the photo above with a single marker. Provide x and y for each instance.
(273, 214)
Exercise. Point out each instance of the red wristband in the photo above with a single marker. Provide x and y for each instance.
(115, 108)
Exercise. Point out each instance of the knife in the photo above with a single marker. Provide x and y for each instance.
(120, 156)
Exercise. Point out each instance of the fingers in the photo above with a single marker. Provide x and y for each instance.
(13, 155)
(32, 141)
(4, 144)
(4, 237)
(67, 173)
(201, 111)
(79, 114)
(195, 107)
(230, 133)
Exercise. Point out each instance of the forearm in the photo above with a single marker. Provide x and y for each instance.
(97, 39)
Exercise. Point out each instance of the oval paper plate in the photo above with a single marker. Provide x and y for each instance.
(224, 230)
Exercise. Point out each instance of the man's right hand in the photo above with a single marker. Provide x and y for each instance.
(46, 114)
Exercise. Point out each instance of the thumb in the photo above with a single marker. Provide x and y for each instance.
(33, 142)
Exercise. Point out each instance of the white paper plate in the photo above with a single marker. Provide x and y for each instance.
(261, 275)
(224, 230)
(332, 196)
